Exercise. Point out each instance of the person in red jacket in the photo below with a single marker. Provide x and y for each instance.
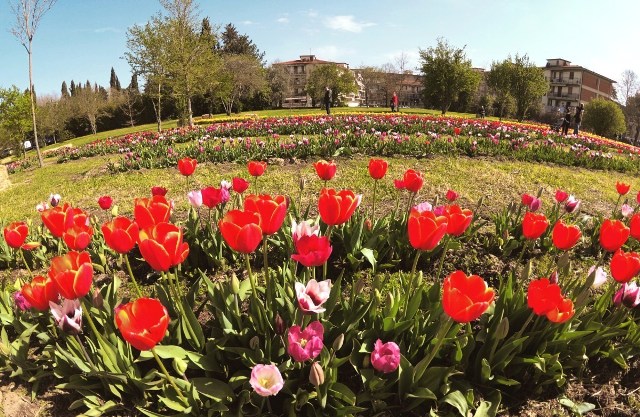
(394, 102)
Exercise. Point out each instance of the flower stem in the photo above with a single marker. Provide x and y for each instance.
(442, 332)
(254, 292)
(267, 283)
(166, 374)
(444, 254)
(324, 267)
(86, 354)
(373, 208)
(133, 278)
(24, 260)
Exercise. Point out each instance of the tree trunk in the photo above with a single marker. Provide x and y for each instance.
(190, 112)
(33, 107)
(158, 108)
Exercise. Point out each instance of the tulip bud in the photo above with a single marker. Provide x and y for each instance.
(114, 211)
(389, 302)
(302, 183)
(338, 342)
(553, 278)
(179, 365)
(367, 224)
(235, 284)
(280, 325)
(316, 376)
(254, 343)
(359, 286)
(97, 299)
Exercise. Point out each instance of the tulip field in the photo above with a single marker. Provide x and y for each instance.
(245, 297)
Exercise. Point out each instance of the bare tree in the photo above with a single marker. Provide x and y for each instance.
(129, 101)
(628, 85)
(28, 14)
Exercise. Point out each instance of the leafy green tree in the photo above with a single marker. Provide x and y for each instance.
(372, 78)
(340, 80)
(278, 82)
(15, 117)
(114, 82)
(53, 115)
(235, 44)
(528, 85)
(240, 76)
(604, 118)
(632, 114)
(447, 73)
(499, 81)
(133, 85)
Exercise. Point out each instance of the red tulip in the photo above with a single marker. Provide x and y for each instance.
(337, 207)
(105, 202)
(40, 291)
(72, 273)
(527, 199)
(187, 166)
(565, 236)
(458, 220)
(325, 169)
(412, 180)
(312, 250)
(157, 190)
(15, 234)
(622, 188)
(239, 185)
(150, 211)
(561, 196)
(378, 168)
(534, 225)
(624, 266)
(456, 131)
(78, 237)
(634, 226)
(272, 211)
(638, 197)
(425, 229)
(465, 298)
(162, 246)
(60, 218)
(562, 312)
(256, 168)
(120, 234)
(142, 323)
(212, 196)
(241, 230)
(451, 196)
(399, 184)
(543, 296)
(613, 234)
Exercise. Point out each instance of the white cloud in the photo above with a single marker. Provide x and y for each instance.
(247, 22)
(312, 13)
(108, 29)
(346, 23)
(283, 20)
(332, 53)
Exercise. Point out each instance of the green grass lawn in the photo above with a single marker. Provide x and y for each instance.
(82, 182)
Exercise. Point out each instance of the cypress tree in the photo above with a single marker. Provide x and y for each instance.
(73, 88)
(63, 90)
(133, 85)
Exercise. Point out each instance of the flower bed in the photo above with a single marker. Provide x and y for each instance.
(250, 307)
(369, 134)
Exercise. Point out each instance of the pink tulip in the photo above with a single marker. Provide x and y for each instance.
(195, 198)
(628, 294)
(385, 356)
(266, 380)
(572, 204)
(626, 210)
(424, 206)
(601, 276)
(452, 195)
(303, 228)
(305, 344)
(67, 316)
(311, 297)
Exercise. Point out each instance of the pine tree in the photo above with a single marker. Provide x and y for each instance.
(63, 90)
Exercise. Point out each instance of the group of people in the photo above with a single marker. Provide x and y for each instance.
(577, 119)
(328, 98)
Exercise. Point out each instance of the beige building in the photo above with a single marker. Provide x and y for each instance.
(573, 84)
(298, 71)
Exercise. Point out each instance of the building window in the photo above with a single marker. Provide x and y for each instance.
(571, 89)
(549, 102)
(571, 75)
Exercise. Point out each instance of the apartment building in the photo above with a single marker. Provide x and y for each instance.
(298, 71)
(573, 84)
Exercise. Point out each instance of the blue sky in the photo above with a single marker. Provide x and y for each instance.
(83, 39)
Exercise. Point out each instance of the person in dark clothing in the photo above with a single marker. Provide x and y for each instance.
(566, 121)
(577, 119)
(327, 99)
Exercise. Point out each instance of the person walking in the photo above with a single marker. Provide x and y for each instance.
(327, 99)
(566, 121)
(577, 119)
(394, 102)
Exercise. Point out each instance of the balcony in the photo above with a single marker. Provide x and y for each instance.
(557, 81)
(566, 96)
(573, 80)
